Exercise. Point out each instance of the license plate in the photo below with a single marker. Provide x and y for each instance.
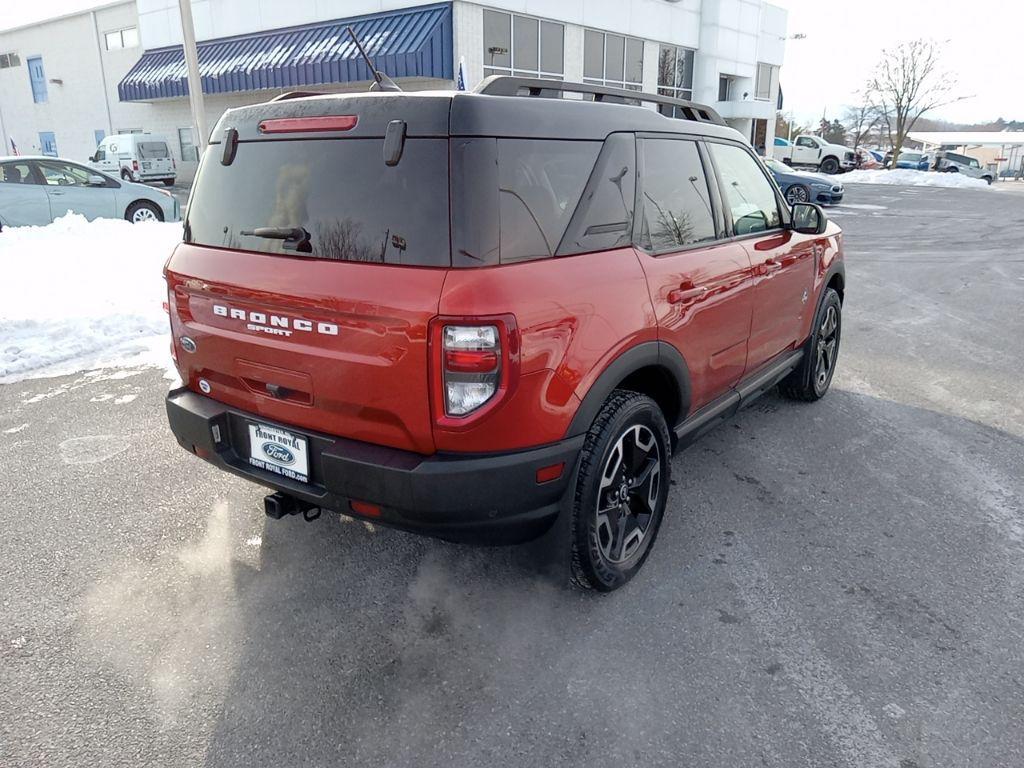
(146, 166)
(279, 451)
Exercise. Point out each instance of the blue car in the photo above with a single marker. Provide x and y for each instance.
(804, 187)
(916, 161)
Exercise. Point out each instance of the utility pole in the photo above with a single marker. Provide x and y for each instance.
(195, 86)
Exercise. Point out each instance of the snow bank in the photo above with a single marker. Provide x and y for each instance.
(80, 294)
(910, 177)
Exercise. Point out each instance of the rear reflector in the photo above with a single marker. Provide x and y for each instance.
(364, 508)
(470, 361)
(553, 472)
(307, 124)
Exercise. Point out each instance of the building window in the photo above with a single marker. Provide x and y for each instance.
(523, 46)
(763, 85)
(675, 75)
(613, 60)
(8, 60)
(724, 88)
(189, 152)
(122, 38)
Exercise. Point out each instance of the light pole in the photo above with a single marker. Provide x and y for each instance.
(195, 85)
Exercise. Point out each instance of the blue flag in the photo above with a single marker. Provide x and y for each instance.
(461, 83)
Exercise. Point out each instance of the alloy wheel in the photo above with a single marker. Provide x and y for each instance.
(143, 214)
(628, 493)
(827, 342)
(796, 194)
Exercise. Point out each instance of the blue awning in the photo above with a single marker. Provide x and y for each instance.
(409, 43)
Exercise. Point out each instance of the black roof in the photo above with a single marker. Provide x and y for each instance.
(534, 112)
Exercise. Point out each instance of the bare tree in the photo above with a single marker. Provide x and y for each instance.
(862, 120)
(908, 82)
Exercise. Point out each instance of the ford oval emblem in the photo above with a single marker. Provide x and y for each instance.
(278, 453)
(188, 344)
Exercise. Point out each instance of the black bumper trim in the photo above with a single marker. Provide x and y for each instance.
(484, 498)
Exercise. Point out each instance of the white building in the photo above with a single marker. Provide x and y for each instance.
(119, 68)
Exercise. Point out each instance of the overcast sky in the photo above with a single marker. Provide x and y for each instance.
(982, 40)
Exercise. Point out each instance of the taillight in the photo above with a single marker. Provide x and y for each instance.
(471, 367)
(474, 362)
(135, 165)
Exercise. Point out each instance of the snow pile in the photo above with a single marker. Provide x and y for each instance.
(80, 294)
(910, 177)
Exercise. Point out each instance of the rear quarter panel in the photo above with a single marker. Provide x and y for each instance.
(574, 314)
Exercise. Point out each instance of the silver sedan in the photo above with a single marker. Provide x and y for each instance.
(37, 190)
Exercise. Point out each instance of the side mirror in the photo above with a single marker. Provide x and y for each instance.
(809, 219)
(92, 158)
(97, 181)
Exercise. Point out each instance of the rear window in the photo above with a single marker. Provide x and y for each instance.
(153, 150)
(338, 192)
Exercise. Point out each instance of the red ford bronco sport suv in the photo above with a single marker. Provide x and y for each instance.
(466, 314)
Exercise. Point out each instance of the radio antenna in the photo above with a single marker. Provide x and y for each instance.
(381, 82)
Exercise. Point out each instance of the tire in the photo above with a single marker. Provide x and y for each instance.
(988, 180)
(808, 382)
(628, 441)
(143, 210)
(798, 193)
(829, 165)
(125, 176)
(168, 182)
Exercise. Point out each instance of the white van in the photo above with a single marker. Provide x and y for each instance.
(136, 157)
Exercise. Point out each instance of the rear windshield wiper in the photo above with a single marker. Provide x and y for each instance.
(295, 238)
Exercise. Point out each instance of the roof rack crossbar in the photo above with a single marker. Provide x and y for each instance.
(504, 85)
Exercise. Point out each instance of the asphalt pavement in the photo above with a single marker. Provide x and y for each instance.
(835, 584)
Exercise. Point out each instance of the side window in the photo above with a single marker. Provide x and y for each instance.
(676, 203)
(16, 173)
(604, 217)
(62, 175)
(749, 195)
(100, 155)
(540, 183)
(804, 141)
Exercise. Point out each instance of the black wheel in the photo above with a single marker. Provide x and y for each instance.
(621, 490)
(797, 193)
(143, 210)
(168, 182)
(810, 380)
(829, 165)
(125, 176)
(988, 180)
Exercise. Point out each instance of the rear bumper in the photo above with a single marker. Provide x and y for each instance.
(486, 499)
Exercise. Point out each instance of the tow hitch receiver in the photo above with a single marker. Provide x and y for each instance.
(277, 505)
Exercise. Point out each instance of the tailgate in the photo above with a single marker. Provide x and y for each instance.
(329, 346)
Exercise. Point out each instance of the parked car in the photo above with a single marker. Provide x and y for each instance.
(512, 313)
(916, 161)
(809, 151)
(867, 160)
(136, 157)
(953, 162)
(803, 187)
(37, 190)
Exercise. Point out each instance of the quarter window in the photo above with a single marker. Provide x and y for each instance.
(613, 60)
(749, 195)
(676, 203)
(523, 46)
(675, 75)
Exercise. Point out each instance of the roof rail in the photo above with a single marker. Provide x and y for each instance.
(504, 85)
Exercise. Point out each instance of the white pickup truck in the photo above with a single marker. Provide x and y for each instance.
(814, 152)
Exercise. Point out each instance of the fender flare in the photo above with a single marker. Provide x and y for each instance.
(644, 355)
(836, 268)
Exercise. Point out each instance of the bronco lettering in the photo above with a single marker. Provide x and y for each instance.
(276, 325)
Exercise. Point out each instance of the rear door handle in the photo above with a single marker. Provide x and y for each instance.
(681, 294)
(56, 192)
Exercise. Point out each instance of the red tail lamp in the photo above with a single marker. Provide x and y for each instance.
(309, 124)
